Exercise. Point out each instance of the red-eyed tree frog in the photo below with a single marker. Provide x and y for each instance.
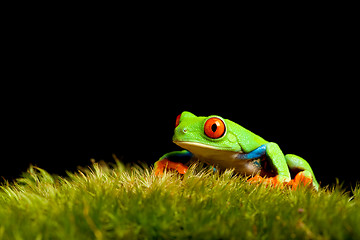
(223, 144)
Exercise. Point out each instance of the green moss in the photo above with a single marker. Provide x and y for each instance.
(118, 202)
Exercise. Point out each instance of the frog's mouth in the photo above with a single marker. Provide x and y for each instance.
(205, 151)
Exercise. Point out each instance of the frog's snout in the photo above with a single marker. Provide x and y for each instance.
(180, 133)
(182, 130)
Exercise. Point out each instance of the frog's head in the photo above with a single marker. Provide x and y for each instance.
(203, 135)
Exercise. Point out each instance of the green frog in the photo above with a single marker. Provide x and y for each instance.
(224, 144)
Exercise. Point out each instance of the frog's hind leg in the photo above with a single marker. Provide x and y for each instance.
(303, 171)
(173, 160)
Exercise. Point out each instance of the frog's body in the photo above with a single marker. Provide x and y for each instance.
(223, 159)
(226, 145)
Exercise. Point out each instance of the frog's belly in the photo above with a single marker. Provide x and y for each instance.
(246, 167)
(220, 158)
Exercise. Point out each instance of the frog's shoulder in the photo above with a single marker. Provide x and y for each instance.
(246, 139)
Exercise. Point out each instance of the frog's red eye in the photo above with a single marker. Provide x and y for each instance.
(214, 128)
(177, 120)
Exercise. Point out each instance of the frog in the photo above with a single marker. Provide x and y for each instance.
(223, 144)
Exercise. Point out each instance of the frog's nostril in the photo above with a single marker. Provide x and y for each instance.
(184, 130)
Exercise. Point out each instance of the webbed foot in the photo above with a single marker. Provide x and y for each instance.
(273, 181)
(301, 179)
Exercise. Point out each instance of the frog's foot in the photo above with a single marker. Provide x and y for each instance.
(272, 181)
(256, 179)
(163, 164)
(303, 178)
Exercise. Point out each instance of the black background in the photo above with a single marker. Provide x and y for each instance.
(86, 89)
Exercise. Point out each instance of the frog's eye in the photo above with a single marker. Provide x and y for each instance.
(214, 128)
(177, 120)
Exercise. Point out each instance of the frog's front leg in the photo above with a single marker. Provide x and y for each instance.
(172, 160)
(277, 160)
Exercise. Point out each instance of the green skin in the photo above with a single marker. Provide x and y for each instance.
(225, 152)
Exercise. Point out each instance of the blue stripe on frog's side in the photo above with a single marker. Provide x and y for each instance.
(258, 152)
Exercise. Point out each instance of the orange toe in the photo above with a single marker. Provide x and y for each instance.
(181, 168)
(271, 181)
(255, 179)
(301, 180)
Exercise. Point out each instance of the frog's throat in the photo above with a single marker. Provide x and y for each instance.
(204, 150)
